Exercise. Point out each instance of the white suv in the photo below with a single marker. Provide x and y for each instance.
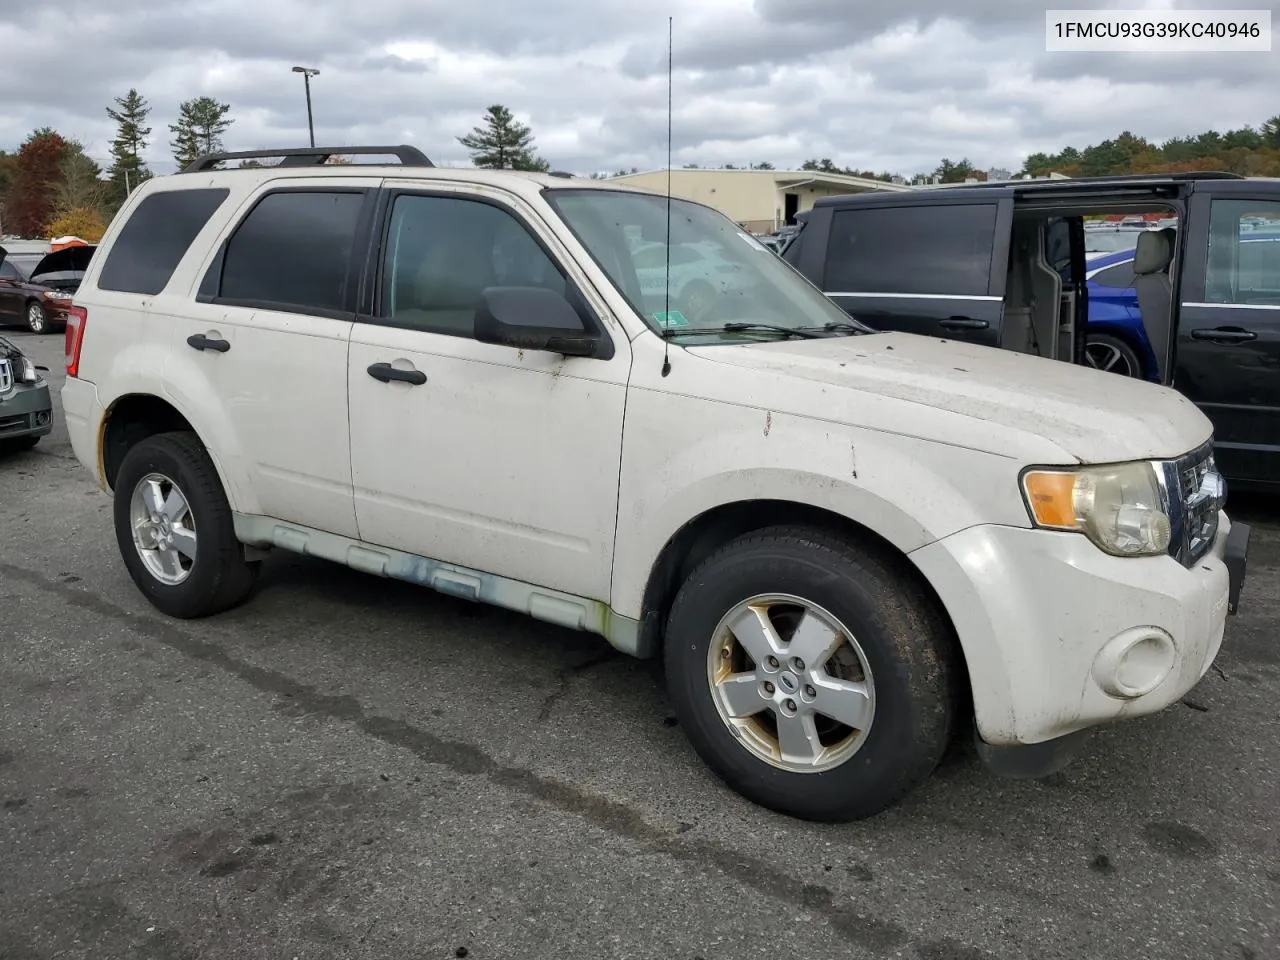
(845, 544)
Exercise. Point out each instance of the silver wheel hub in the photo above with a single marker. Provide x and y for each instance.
(791, 683)
(163, 528)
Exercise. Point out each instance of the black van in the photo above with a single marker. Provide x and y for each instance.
(1003, 264)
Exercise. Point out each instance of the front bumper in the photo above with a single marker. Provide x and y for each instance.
(1060, 637)
(26, 411)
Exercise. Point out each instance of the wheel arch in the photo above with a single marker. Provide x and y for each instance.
(133, 417)
(713, 528)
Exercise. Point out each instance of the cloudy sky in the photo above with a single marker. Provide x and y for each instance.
(880, 84)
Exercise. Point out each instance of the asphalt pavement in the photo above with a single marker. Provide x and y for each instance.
(350, 767)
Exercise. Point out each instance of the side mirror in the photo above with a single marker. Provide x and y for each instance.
(533, 318)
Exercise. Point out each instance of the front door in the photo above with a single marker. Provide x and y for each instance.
(1228, 359)
(499, 460)
(12, 300)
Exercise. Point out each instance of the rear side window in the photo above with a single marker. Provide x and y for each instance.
(912, 250)
(156, 238)
(293, 250)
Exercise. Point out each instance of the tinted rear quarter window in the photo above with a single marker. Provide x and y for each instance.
(912, 249)
(293, 250)
(156, 238)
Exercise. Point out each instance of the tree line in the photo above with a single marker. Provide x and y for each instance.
(50, 187)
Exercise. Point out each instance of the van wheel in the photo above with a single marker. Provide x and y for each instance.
(174, 528)
(813, 676)
(1105, 352)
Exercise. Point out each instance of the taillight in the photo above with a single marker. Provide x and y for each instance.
(77, 317)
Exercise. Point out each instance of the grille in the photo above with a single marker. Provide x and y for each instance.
(1196, 492)
(6, 376)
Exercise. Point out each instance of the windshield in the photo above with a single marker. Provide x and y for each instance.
(718, 273)
(1110, 241)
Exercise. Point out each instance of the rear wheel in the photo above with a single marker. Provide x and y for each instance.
(814, 677)
(37, 320)
(174, 528)
(1105, 352)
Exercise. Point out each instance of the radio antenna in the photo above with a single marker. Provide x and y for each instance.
(666, 310)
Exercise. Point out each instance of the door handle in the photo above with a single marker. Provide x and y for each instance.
(963, 323)
(1223, 335)
(386, 373)
(201, 342)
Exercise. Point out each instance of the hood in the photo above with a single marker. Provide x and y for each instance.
(8, 350)
(1095, 417)
(66, 260)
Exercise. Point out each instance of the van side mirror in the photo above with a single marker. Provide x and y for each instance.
(533, 318)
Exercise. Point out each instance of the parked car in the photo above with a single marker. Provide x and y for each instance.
(840, 542)
(26, 409)
(971, 263)
(38, 293)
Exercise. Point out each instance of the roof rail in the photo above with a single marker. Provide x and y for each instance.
(310, 156)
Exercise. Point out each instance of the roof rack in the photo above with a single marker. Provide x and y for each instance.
(310, 156)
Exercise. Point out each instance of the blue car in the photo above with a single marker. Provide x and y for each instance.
(1115, 339)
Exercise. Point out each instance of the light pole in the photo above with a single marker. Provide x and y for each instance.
(307, 74)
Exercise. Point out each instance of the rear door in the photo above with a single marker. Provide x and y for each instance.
(1228, 355)
(267, 340)
(936, 269)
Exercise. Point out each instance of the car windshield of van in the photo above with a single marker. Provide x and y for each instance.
(719, 274)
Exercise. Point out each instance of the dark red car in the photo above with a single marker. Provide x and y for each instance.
(35, 290)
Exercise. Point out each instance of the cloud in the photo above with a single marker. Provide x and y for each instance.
(881, 84)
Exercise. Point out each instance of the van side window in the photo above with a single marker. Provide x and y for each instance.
(1244, 259)
(441, 254)
(293, 251)
(155, 239)
(944, 249)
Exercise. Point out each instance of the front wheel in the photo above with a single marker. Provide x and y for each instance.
(174, 528)
(814, 677)
(37, 320)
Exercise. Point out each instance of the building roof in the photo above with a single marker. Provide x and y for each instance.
(790, 178)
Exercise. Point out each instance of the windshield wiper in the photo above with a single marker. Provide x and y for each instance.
(807, 332)
(846, 326)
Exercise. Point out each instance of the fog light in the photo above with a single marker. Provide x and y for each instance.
(1135, 662)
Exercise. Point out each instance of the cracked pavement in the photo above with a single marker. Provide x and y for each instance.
(351, 767)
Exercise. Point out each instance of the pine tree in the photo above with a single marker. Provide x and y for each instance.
(201, 123)
(127, 169)
(503, 143)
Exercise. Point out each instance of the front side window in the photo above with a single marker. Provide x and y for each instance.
(442, 253)
(156, 237)
(293, 250)
(718, 273)
(1244, 260)
(932, 250)
(9, 272)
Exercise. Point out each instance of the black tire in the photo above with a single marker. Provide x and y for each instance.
(908, 645)
(220, 578)
(37, 319)
(1126, 361)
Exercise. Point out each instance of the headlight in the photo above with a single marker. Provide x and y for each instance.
(26, 370)
(56, 295)
(1120, 507)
